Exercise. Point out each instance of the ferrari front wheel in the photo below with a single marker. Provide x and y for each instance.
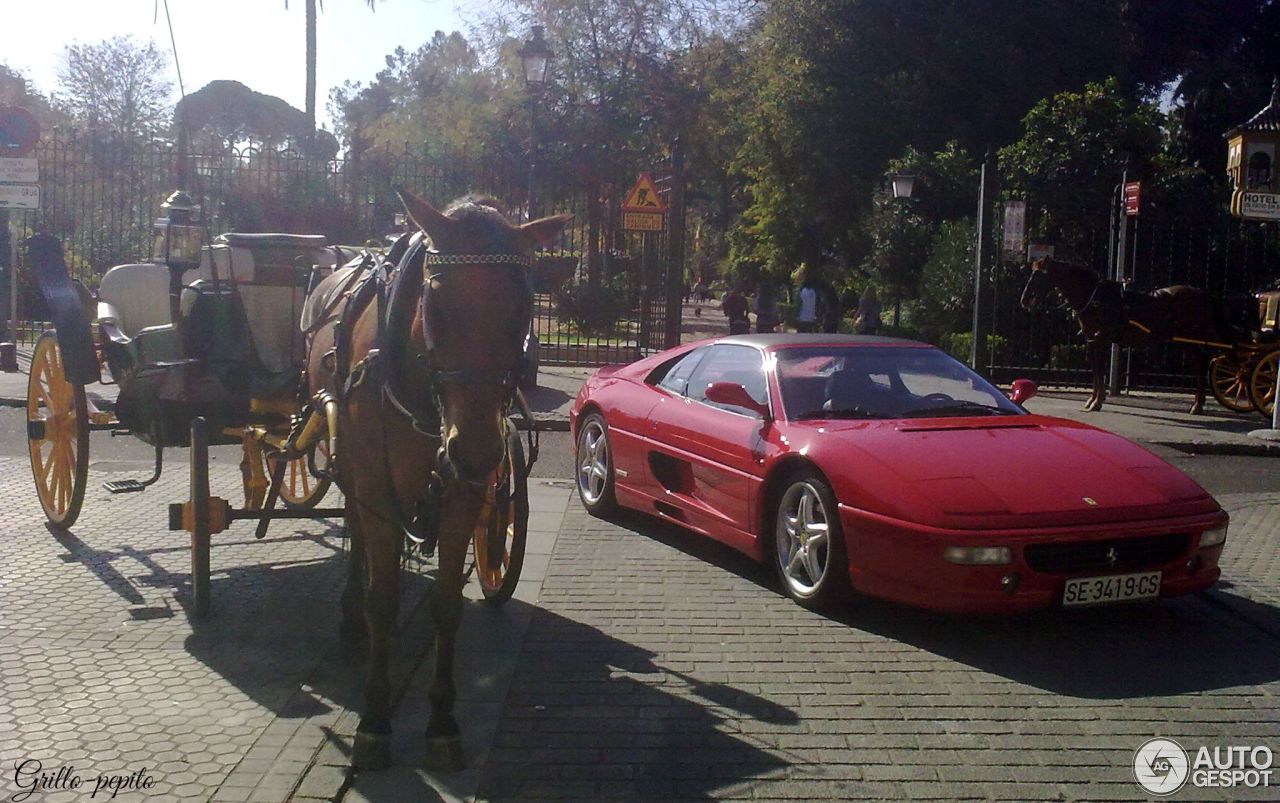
(808, 544)
(594, 461)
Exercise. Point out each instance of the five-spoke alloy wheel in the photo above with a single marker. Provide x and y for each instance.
(808, 544)
(594, 461)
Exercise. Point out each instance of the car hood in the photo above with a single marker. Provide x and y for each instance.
(998, 472)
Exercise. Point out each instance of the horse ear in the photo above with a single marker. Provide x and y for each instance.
(542, 231)
(423, 214)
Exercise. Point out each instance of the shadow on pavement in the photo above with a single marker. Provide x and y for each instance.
(1195, 643)
(590, 716)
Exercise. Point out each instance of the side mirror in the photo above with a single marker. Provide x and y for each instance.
(734, 395)
(1022, 390)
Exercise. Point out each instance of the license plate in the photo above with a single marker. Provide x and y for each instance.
(1112, 588)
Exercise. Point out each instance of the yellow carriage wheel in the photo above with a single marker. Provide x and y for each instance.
(304, 483)
(1229, 381)
(57, 434)
(1262, 383)
(499, 538)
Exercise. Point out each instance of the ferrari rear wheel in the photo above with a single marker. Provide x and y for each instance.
(808, 544)
(594, 460)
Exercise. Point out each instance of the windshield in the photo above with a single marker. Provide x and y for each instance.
(852, 382)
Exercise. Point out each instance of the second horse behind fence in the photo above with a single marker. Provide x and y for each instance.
(1109, 313)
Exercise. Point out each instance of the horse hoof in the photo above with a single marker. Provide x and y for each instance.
(372, 751)
(444, 754)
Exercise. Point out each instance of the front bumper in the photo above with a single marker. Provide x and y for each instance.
(902, 561)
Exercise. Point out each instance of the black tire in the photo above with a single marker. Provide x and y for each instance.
(509, 527)
(593, 460)
(808, 548)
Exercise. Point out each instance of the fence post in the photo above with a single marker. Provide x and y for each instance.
(675, 247)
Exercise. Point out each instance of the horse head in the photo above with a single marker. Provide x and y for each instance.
(1038, 286)
(473, 317)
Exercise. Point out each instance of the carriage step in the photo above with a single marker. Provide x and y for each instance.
(124, 486)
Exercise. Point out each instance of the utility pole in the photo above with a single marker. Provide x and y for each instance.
(978, 354)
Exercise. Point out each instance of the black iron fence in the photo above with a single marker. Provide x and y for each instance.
(597, 288)
(1199, 245)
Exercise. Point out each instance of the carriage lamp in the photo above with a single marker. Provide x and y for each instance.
(902, 184)
(178, 236)
(535, 58)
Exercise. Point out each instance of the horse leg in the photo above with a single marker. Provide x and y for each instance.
(1202, 371)
(353, 631)
(382, 556)
(1097, 363)
(444, 737)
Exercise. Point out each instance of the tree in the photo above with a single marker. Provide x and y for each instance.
(1074, 148)
(116, 87)
(311, 24)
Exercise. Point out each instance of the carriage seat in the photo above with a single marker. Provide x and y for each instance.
(270, 273)
(133, 311)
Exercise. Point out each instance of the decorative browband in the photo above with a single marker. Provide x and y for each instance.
(479, 259)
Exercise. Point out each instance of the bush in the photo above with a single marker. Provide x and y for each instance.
(959, 344)
(593, 309)
(551, 270)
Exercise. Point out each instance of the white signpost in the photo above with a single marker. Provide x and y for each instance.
(1260, 205)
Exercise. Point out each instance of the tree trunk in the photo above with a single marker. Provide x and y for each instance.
(311, 72)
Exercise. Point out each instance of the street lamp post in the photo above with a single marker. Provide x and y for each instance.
(535, 60)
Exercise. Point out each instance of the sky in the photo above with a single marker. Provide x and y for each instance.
(256, 42)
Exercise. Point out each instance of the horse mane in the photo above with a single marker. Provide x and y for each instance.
(483, 217)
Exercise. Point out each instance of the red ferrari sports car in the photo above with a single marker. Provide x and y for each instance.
(885, 467)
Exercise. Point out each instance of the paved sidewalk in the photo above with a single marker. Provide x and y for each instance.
(636, 662)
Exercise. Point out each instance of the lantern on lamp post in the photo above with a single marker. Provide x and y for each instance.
(535, 62)
(176, 242)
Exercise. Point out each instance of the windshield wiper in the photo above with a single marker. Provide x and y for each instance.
(840, 412)
(957, 407)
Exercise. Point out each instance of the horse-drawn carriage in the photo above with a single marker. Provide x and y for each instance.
(1243, 375)
(205, 346)
(1238, 352)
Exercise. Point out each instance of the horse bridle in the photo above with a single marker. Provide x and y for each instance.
(507, 378)
(521, 266)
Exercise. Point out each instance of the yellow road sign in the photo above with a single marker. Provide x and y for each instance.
(643, 197)
(642, 221)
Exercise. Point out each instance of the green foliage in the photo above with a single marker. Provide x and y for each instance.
(593, 308)
(959, 344)
(116, 87)
(946, 284)
(1073, 150)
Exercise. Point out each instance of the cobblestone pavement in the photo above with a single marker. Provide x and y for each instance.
(102, 672)
(661, 667)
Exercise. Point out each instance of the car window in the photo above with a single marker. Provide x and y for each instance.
(888, 382)
(725, 363)
(674, 376)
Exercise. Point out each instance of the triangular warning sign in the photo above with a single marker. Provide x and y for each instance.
(643, 197)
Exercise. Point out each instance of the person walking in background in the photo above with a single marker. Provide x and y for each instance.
(806, 300)
(766, 308)
(734, 306)
(867, 319)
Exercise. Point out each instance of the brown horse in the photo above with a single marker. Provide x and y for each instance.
(1107, 313)
(423, 369)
